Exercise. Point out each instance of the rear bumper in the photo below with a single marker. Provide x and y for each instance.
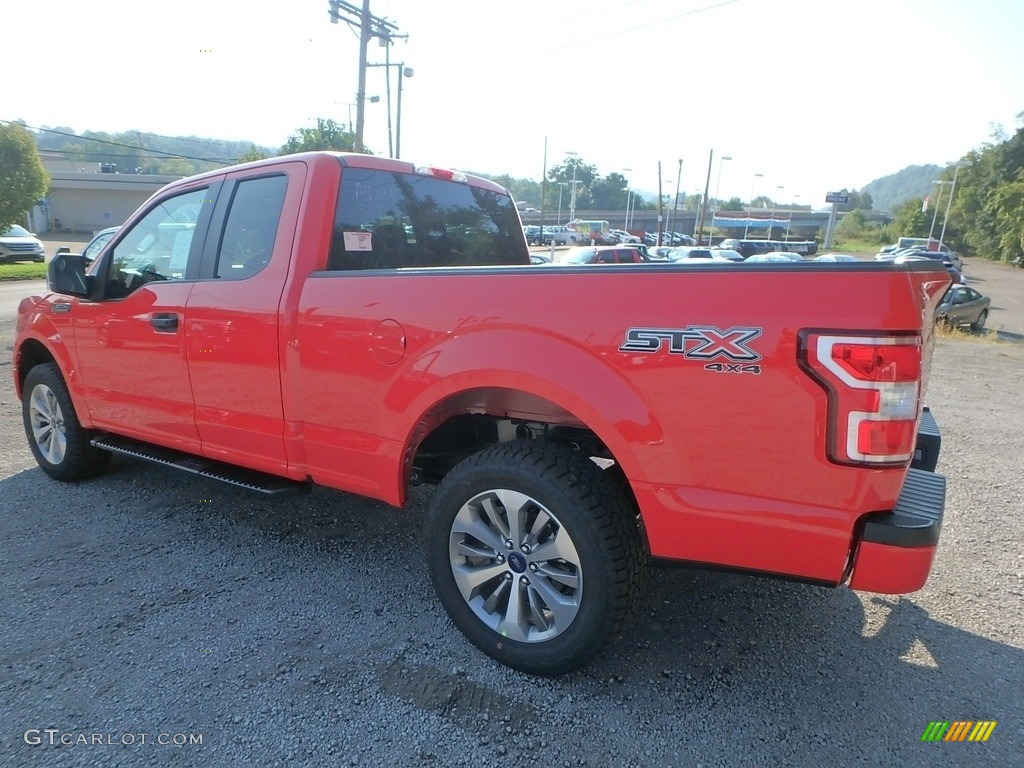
(896, 548)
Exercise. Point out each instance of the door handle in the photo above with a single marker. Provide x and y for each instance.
(166, 322)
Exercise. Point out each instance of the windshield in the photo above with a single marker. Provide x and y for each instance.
(17, 231)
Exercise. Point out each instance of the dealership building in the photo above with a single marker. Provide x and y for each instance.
(87, 197)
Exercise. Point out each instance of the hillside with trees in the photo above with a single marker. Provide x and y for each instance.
(890, 192)
(147, 152)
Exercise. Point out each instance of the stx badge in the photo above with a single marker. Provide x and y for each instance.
(701, 342)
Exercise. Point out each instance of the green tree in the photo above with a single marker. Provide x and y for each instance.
(910, 220)
(609, 193)
(252, 153)
(23, 179)
(327, 135)
(852, 225)
(584, 174)
(734, 204)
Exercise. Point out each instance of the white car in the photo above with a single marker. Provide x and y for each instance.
(18, 244)
(623, 236)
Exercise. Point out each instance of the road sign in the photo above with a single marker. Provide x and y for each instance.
(836, 197)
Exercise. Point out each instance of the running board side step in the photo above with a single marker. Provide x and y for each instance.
(250, 479)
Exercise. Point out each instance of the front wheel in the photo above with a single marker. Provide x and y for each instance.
(535, 554)
(58, 441)
(979, 324)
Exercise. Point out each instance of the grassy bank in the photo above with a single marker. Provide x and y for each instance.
(22, 271)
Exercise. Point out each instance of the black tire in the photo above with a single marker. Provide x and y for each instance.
(978, 324)
(55, 436)
(579, 543)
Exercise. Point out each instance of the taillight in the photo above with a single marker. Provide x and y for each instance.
(440, 173)
(874, 387)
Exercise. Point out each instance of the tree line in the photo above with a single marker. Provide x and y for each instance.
(985, 217)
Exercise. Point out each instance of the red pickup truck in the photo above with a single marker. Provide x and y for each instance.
(366, 324)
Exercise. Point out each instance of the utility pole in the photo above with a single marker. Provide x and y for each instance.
(661, 206)
(364, 39)
(369, 26)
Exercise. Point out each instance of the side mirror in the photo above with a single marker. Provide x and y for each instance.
(66, 274)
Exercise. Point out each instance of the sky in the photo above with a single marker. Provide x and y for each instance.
(814, 95)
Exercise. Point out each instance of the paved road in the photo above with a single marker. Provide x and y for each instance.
(1005, 286)
(13, 291)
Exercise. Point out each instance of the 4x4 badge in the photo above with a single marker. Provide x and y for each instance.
(697, 342)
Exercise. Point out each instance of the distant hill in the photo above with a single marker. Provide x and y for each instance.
(891, 191)
(149, 152)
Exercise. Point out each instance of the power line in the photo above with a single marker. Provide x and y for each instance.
(620, 32)
(218, 160)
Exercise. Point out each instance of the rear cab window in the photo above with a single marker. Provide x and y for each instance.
(392, 220)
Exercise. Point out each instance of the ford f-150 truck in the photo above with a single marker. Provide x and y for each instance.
(366, 324)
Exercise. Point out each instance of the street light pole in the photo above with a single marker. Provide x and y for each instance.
(716, 202)
(625, 221)
(675, 206)
(935, 214)
(560, 185)
(945, 218)
(403, 72)
(572, 193)
(771, 214)
(746, 230)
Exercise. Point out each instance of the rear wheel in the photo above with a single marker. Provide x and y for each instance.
(59, 443)
(978, 324)
(535, 554)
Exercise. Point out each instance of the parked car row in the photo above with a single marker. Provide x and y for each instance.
(947, 257)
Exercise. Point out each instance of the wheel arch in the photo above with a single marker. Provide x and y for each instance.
(548, 383)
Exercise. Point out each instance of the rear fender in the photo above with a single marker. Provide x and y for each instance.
(518, 374)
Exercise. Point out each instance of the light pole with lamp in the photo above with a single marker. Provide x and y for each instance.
(625, 221)
(560, 185)
(403, 72)
(789, 221)
(746, 229)
(771, 214)
(675, 206)
(716, 202)
(572, 193)
(935, 214)
(952, 189)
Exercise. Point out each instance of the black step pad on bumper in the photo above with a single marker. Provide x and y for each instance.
(929, 441)
(917, 519)
(260, 482)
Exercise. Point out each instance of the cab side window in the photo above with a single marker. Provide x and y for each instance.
(251, 227)
(158, 247)
(390, 220)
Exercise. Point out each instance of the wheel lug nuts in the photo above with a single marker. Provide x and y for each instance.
(509, 544)
(501, 558)
(525, 581)
(533, 567)
(526, 549)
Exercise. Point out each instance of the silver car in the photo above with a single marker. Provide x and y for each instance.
(18, 244)
(962, 305)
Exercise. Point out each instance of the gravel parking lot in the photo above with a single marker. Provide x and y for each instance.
(145, 612)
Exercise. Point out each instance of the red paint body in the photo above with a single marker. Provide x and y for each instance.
(336, 376)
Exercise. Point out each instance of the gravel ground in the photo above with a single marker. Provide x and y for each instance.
(306, 632)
